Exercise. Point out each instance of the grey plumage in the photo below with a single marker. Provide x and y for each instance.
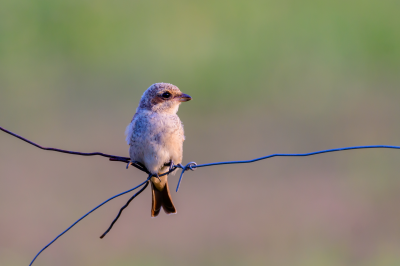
(156, 136)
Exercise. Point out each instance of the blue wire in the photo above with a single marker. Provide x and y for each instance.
(84, 217)
(297, 155)
(193, 166)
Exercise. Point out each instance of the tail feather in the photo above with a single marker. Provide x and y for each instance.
(156, 201)
(161, 199)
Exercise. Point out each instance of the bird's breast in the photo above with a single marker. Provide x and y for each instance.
(156, 139)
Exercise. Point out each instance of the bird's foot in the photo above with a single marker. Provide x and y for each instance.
(171, 165)
(129, 163)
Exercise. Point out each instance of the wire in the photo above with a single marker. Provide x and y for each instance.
(126, 205)
(111, 157)
(190, 166)
(120, 194)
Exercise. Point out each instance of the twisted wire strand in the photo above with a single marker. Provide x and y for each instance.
(190, 166)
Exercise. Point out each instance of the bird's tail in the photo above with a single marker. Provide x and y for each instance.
(161, 199)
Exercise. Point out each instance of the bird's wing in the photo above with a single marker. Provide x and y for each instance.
(129, 130)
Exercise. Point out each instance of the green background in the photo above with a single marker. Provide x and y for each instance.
(265, 77)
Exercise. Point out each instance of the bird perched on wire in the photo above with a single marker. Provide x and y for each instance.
(156, 136)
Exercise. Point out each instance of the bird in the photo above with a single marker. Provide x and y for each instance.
(155, 136)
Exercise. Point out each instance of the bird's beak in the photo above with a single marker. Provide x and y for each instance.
(184, 98)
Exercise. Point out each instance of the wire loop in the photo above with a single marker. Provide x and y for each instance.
(184, 168)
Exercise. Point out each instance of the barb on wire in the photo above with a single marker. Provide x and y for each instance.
(190, 166)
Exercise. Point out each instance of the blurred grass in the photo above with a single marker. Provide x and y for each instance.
(265, 76)
(223, 49)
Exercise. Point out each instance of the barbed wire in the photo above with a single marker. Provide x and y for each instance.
(190, 166)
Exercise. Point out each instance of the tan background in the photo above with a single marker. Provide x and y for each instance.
(265, 77)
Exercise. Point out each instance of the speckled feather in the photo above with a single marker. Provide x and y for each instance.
(155, 139)
(155, 134)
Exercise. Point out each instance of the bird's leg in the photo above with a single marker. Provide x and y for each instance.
(171, 165)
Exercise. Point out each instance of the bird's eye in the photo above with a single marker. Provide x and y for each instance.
(166, 95)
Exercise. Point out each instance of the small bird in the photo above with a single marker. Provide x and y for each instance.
(156, 136)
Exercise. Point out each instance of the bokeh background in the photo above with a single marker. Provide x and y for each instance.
(265, 77)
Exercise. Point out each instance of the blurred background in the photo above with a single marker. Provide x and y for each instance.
(265, 77)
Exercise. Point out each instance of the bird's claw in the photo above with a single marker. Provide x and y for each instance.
(131, 163)
(159, 179)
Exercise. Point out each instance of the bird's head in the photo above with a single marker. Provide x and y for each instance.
(163, 98)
